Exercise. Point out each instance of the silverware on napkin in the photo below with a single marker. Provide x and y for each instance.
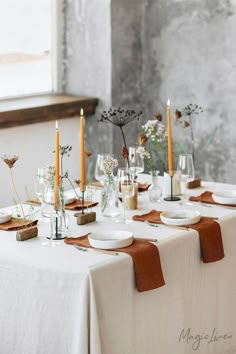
(165, 225)
(113, 253)
(146, 239)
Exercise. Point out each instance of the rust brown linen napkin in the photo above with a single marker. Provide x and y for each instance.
(146, 260)
(96, 184)
(76, 205)
(209, 231)
(17, 224)
(142, 187)
(206, 197)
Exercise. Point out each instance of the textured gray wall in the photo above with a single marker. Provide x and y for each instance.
(140, 53)
(190, 57)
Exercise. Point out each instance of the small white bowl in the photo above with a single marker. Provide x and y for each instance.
(111, 239)
(180, 217)
(5, 216)
(225, 197)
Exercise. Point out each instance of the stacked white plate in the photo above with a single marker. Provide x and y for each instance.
(180, 217)
(225, 197)
(111, 239)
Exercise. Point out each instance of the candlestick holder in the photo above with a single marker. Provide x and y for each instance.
(85, 218)
(171, 198)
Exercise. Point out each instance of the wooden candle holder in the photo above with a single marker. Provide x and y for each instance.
(195, 183)
(25, 234)
(83, 219)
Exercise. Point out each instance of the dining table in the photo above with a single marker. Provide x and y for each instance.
(64, 300)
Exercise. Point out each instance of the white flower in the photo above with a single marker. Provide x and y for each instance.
(109, 164)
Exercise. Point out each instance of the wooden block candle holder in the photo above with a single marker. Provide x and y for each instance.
(27, 233)
(83, 219)
(195, 183)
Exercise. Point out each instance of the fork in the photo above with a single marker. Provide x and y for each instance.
(113, 253)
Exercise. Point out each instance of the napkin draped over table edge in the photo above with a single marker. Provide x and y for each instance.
(209, 231)
(146, 260)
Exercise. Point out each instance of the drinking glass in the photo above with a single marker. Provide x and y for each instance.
(99, 167)
(39, 183)
(186, 168)
(51, 210)
(136, 161)
(126, 188)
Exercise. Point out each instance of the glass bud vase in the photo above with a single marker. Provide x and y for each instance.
(154, 190)
(109, 198)
(63, 220)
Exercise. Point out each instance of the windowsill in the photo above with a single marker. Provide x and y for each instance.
(42, 108)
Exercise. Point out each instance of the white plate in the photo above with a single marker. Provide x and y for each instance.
(180, 217)
(111, 239)
(5, 216)
(224, 197)
(69, 198)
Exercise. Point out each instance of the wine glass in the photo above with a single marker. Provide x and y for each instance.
(136, 161)
(186, 168)
(126, 188)
(51, 209)
(99, 167)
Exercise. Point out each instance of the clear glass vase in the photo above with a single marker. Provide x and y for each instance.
(60, 226)
(109, 198)
(155, 191)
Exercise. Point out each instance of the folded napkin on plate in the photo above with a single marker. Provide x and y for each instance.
(76, 205)
(209, 231)
(17, 224)
(142, 187)
(146, 260)
(206, 197)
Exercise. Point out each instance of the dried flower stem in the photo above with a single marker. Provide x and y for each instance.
(123, 136)
(17, 196)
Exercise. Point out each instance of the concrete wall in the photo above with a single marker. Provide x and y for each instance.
(189, 56)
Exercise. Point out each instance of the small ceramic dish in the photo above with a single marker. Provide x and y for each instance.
(5, 216)
(111, 239)
(180, 217)
(225, 197)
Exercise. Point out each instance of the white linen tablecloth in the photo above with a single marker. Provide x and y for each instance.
(64, 301)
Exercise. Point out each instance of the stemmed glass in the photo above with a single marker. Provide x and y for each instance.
(186, 168)
(51, 209)
(126, 188)
(136, 162)
(99, 167)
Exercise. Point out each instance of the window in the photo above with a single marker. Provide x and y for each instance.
(26, 62)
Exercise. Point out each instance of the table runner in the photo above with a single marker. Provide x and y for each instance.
(146, 260)
(209, 235)
(206, 197)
